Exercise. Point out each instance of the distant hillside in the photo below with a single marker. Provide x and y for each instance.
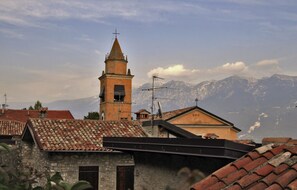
(260, 107)
(264, 107)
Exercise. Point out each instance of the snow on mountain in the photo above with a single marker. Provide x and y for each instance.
(237, 99)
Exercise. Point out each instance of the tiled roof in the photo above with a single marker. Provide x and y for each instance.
(173, 113)
(11, 128)
(79, 135)
(24, 115)
(272, 166)
(116, 52)
(142, 111)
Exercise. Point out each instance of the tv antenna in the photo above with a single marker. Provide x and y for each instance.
(153, 88)
(5, 103)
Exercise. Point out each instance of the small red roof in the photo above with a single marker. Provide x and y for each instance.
(24, 115)
(11, 128)
(272, 166)
(78, 135)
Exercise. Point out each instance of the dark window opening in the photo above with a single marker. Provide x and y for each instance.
(102, 94)
(90, 174)
(119, 93)
(125, 177)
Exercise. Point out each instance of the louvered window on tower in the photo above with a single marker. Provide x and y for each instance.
(102, 94)
(119, 93)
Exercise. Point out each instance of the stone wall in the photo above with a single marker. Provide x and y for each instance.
(10, 160)
(67, 163)
(172, 172)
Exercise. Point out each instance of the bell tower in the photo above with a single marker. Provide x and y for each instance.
(115, 86)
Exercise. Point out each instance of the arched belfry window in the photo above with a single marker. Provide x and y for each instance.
(102, 94)
(119, 93)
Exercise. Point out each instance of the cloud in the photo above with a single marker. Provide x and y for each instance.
(179, 72)
(232, 67)
(171, 71)
(267, 62)
(34, 13)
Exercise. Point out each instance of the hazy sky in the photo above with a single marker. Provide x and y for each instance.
(54, 49)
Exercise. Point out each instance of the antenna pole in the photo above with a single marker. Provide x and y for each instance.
(153, 98)
(5, 99)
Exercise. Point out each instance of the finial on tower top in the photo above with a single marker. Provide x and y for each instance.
(116, 33)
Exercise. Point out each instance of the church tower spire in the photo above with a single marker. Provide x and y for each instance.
(115, 86)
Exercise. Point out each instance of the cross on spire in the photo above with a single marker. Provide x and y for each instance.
(116, 33)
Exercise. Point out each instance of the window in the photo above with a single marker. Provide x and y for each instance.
(119, 93)
(125, 177)
(90, 174)
(102, 94)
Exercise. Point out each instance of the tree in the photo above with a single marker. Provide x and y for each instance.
(37, 106)
(92, 115)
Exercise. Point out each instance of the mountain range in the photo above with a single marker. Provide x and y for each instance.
(259, 107)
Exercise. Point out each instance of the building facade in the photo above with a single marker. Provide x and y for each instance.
(115, 86)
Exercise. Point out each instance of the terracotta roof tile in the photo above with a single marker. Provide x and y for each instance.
(280, 168)
(277, 140)
(268, 155)
(278, 149)
(254, 164)
(226, 170)
(265, 170)
(258, 186)
(218, 185)
(24, 115)
(292, 149)
(253, 155)
(269, 179)
(242, 162)
(248, 180)
(293, 185)
(207, 182)
(278, 159)
(234, 187)
(79, 135)
(11, 128)
(264, 148)
(234, 176)
(274, 187)
(286, 178)
(272, 166)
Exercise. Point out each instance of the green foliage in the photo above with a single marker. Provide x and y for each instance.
(56, 182)
(25, 180)
(37, 106)
(92, 115)
(4, 147)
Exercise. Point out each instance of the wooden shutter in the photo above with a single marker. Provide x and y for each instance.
(125, 178)
(90, 174)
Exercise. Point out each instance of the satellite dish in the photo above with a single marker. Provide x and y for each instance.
(160, 113)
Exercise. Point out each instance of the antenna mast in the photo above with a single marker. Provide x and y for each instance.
(154, 77)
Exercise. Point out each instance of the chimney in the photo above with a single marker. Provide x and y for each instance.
(43, 112)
